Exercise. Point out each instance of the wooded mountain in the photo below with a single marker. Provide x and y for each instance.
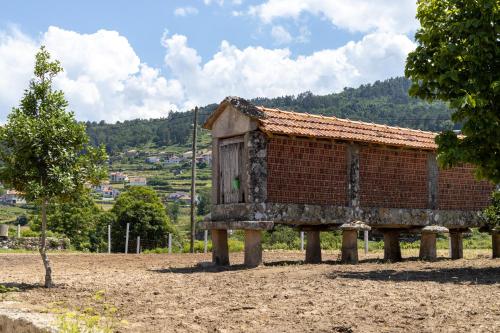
(383, 102)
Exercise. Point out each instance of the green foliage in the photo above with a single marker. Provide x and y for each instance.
(141, 207)
(492, 212)
(204, 201)
(173, 210)
(457, 60)
(99, 316)
(81, 221)
(4, 289)
(44, 151)
(385, 102)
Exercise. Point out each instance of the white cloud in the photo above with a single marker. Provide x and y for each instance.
(16, 66)
(256, 71)
(281, 35)
(105, 79)
(353, 15)
(185, 11)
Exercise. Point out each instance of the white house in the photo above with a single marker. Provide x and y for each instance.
(137, 181)
(12, 197)
(153, 159)
(174, 159)
(118, 177)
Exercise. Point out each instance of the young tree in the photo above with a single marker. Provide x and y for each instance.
(458, 60)
(44, 151)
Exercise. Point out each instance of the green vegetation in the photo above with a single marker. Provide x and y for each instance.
(385, 102)
(492, 213)
(4, 289)
(97, 316)
(45, 153)
(143, 210)
(457, 60)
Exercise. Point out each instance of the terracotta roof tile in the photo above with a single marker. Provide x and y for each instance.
(301, 124)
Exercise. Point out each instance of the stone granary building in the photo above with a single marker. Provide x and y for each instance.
(319, 173)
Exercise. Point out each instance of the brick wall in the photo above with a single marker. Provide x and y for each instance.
(457, 189)
(392, 178)
(302, 171)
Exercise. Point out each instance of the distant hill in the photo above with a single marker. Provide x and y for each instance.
(383, 102)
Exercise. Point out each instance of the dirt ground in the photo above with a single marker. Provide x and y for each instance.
(170, 293)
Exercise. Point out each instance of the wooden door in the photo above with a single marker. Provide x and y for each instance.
(231, 170)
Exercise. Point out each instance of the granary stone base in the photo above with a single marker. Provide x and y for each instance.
(253, 248)
(377, 217)
(495, 242)
(313, 248)
(349, 247)
(392, 250)
(220, 250)
(428, 246)
(456, 244)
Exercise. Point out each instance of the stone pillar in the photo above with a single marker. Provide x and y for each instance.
(495, 242)
(428, 241)
(220, 251)
(349, 247)
(313, 248)
(456, 244)
(428, 246)
(392, 251)
(253, 248)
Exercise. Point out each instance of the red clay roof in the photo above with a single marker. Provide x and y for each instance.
(275, 121)
(303, 124)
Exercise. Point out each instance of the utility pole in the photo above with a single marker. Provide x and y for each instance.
(193, 181)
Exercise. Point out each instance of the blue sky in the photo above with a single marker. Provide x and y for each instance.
(130, 59)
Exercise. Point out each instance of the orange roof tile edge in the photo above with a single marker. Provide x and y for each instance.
(276, 121)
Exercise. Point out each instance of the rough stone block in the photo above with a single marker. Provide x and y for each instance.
(313, 248)
(349, 247)
(253, 248)
(220, 250)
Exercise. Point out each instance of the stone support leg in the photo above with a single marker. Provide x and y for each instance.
(495, 242)
(392, 250)
(253, 248)
(349, 247)
(220, 251)
(428, 246)
(456, 244)
(313, 248)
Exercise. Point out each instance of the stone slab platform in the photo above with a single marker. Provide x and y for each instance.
(236, 225)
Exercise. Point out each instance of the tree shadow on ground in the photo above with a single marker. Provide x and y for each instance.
(21, 286)
(208, 267)
(462, 275)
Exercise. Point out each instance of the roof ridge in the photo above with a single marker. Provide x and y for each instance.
(345, 120)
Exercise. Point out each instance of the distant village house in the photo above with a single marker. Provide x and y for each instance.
(137, 181)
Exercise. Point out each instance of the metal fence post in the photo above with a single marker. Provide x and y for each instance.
(366, 241)
(206, 242)
(126, 238)
(109, 238)
(169, 243)
(301, 241)
(138, 250)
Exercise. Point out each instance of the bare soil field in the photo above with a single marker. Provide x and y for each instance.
(171, 293)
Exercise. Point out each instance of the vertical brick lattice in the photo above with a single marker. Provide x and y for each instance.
(393, 178)
(458, 189)
(303, 171)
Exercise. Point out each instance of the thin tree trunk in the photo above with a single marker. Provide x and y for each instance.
(43, 247)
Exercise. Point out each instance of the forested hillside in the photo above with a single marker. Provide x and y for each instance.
(384, 102)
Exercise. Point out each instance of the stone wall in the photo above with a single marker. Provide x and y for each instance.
(33, 243)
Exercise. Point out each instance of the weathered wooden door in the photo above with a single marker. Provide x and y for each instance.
(231, 170)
